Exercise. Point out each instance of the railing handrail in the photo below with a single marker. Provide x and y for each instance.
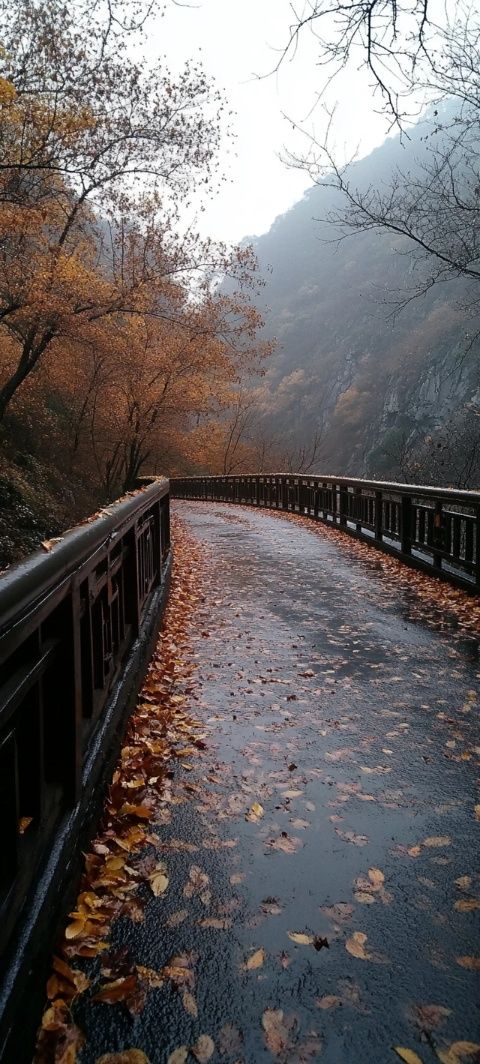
(435, 529)
(29, 581)
(451, 494)
(78, 622)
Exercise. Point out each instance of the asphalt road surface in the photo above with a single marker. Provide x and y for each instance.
(322, 850)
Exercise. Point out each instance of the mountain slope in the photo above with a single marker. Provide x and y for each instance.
(373, 383)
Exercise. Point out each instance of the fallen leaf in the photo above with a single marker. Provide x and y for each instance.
(351, 836)
(276, 1030)
(356, 945)
(472, 963)
(255, 813)
(204, 1048)
(189, 1003)
(150, 976)
(341, 911)
(117, 990)
(364, 898)
(178, 1056)
(407, 1055)
(287, 844)
(271, 906)
(437, 840)
(75, 929)
(301, 938)
(158, 881)
(466, 905)
(255, 961)
(48, 544)
(140, 811)
(476, 810)
(458, 1051)
(330, 1001)
(376, 877)
(428, 1017)
(463, 882)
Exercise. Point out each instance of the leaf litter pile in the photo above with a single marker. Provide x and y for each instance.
(285, 868)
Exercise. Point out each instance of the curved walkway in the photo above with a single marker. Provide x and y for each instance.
(322, 848)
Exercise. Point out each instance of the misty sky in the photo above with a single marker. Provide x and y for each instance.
(237, 40)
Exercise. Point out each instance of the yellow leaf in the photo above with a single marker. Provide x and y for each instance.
(75, 929)
(407, 1055)
(48, 544)
(458, 1051)
(158, 882)
(255, 812)
(414, 851)
(356, 946)
(463, 882)
(466, 905)
(178, 1056)
(376, 877)
(472, 963)
(150, 976)
(301, 938)
(255, 961)
(141, 811)
(437, 840)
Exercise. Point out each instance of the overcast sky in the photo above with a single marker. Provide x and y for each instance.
(239, 40)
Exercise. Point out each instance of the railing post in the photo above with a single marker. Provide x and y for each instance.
(438, 534)
(358, 509)
(62, 695)
(477, 548)
(406, 524)
(378, 516)
(343, 508)
(10, 811)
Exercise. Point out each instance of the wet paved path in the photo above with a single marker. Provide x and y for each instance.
(322, 848)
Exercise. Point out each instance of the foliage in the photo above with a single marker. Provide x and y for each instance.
(115, 341)
(431, 199)
(349, 367)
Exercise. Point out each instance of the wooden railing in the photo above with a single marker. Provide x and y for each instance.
(72, 620)
(436, 529)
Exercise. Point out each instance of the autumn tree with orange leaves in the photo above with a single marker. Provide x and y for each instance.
(108, 312)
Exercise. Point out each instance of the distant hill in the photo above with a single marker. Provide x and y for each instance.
(374, 385)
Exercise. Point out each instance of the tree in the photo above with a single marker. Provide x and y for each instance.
(432, 203)
(86, 129)
(390, 38)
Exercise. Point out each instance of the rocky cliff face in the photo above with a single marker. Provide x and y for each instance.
(379, 387)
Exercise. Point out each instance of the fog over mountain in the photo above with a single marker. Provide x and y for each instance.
(388, 394)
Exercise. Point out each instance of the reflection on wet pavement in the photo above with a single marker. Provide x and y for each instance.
(322, 845)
